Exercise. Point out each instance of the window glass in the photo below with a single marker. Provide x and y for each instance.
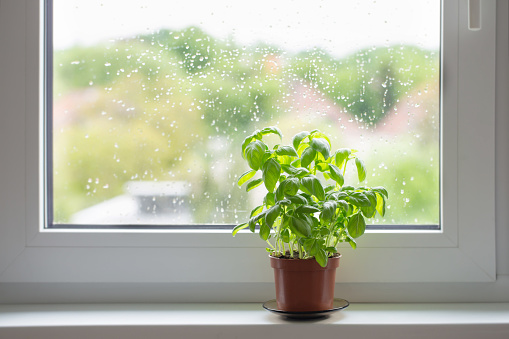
(151, 100)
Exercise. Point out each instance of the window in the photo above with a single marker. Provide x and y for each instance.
(140, 261)
(149, 108)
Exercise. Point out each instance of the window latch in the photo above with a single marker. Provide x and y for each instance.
(474, 15)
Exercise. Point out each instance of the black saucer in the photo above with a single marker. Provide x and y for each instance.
(337, 305)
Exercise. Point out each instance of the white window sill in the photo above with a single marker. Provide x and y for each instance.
(486, 320)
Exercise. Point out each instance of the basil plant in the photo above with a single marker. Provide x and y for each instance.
(308, 210)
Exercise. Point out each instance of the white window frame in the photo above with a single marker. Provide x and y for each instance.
(134, 261)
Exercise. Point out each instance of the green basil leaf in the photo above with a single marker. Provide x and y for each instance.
(266, 156)
(329, 188)
(298, 172)
(285, 235)
(347, 188)
(287, 150)
(257, 210)
(321, 257)
(296, 163)
(371, 196)
(301, 225)
(361, 169)
(328, 211)
(255, 220)
(356, 225)
(291, 186)
(284, 202)
(297, 138)
(257, 217)
(253, 184)
(270, 173)
(239, 227)
(308, 155)
(331, 249)
(339, 195)
(254, 154)
(245, 177)
(272, 130)
(341, 155)
(280, 191)
(322, 166)
(352, 242)
(272, 215)
(312, 185)
(369, 212)
(269, 199)
(309, 245)
(315, 247)
(324, 231)
(317, 134)
(252, 224)
(264, 231)
(246, 142)
(321, 145)
(305, 209)
(381, 190)
(336, 175)
(343, 205)
(297, 199)
(380, 204)
(289, 169)
(285, 159)
(301, 172)
(359, 199)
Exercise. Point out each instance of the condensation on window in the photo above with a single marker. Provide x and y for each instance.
(152, 99)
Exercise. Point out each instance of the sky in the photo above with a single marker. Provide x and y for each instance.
(339, 26)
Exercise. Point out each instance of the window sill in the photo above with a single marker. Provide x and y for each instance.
(486, 320)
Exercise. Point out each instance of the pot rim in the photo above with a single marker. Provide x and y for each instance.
(309, 264)
(336, 256)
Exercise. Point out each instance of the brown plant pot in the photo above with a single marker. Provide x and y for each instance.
(302, 285)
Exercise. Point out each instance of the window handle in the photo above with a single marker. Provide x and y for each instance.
(474, 15)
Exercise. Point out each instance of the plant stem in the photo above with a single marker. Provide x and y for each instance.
(268, 242)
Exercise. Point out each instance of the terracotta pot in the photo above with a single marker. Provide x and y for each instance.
(302, 285)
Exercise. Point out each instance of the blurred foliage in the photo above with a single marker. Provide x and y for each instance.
(370, 82)
(412, 180)
(169, 105)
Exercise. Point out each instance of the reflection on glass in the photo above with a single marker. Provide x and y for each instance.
(152, 98)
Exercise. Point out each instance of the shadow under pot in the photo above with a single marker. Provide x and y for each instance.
(302, 285)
